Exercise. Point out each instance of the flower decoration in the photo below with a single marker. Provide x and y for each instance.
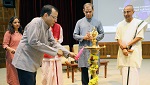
(93, 68)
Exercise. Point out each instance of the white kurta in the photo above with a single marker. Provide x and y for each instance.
(125, 32)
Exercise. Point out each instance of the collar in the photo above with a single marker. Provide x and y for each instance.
(45, 25)
(89, 20)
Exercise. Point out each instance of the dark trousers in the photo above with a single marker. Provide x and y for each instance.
(84, 76)
(26, 78)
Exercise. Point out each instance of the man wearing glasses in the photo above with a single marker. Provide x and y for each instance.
(37, 39)
(129, 35)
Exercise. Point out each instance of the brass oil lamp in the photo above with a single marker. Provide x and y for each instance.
(93, 59)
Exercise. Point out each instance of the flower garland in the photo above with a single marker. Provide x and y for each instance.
(93, 81)
(93, 68)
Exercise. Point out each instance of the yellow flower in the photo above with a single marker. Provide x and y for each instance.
(93, 68)
(93, 81)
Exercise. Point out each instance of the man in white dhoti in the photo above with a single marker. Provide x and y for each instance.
(130, 32)
(52, 66)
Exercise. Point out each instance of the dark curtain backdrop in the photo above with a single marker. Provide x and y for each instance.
(69, 12)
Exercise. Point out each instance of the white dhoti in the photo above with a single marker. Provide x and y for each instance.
(52, 71)
(133, 76)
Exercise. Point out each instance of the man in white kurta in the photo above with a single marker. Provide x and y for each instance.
(127, 36)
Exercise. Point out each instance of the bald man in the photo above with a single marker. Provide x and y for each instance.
(129, 35)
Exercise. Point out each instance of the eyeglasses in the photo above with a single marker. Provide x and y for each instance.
(54, 17)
